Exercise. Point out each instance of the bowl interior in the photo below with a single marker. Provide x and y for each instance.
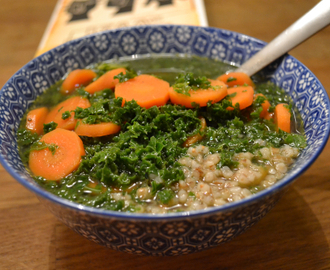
(309, 96)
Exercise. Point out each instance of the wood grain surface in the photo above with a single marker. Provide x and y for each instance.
(294, 235)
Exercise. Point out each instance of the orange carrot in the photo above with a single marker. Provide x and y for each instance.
(77, 78)
(96, 130)
(200, 96)
(35, 120)
(243, 95)
(195, 138)
(232, 79)
(70, 104)
(265, 106)
(146, 90)
(282, 117)
(66, 159)
(106, 81)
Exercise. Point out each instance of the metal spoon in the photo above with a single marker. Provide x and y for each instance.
(313, 21)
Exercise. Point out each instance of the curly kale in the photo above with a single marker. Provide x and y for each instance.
(188, 81)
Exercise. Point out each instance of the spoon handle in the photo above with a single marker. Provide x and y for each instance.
(313, 21)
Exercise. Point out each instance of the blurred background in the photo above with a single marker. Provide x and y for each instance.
(295, 235)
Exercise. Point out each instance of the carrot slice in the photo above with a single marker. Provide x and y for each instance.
(77, 78)
(35, 120)
(232, 79)
(55, 115)
(201, 96)
(243, 95)
(146, 90)
(96, 130)
(66, 159)
(106, 81)
(265, 106)
(282, 117)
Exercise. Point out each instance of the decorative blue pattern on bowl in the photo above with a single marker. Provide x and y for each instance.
(177, 233)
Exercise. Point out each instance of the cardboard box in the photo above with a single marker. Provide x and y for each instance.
(73, 19)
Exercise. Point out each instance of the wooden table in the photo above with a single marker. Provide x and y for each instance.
(294, 235)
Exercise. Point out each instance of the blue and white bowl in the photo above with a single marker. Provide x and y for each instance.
(176, 233)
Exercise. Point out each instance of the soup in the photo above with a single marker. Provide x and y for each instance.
(181, 151)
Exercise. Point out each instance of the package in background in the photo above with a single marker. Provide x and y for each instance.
(73, 19)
